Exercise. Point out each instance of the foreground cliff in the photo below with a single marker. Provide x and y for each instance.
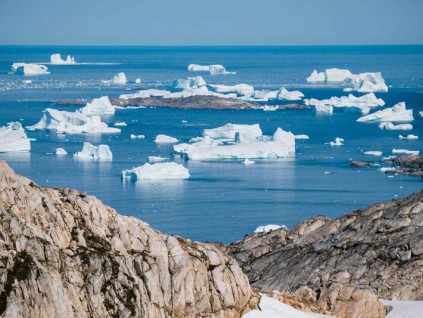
(65, 254)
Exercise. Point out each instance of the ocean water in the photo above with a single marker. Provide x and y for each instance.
(223, 200)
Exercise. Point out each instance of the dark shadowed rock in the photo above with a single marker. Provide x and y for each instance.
(410, 164)
(361, 164)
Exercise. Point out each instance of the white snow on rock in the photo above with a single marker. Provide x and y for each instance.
(189, 83)
(363, 103)
(405, 152)
(14, 139)
(29, 69)
(397, 113)
(157, 171)
(57, 60)
(391, 126)
(133, 136)
(61, 152)
(305, 137)
(410, 136)
(248, 162)
(118, 79)
(322, 109)
(268, 228)
(234, 133)
(338, 142)
(284, 94)
(239, 89)
(98, 106)
(163, 139)
(91, 152)
(215, 69)
(154, 159)
(72, 123)
(373, 153)
(147, 93)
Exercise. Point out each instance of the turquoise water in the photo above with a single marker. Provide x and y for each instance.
(222, 200)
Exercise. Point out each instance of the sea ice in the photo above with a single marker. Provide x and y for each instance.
(120, 124)
(410, 136)
(163, 139)
(301, 137)
(28, 69)
(284, 94)
(248, 162)
(263, 95)
(189, 83)
(118, 79)
(362, 102)
(155, 159)
(397, 113)
(338, 142)
(239, 89)
(138, 80)
(234, 133)
(212, 69)
(405, 152)
(13, 138)
(57, 59)
(332, 75)
(61, 152)
(373, 153)
(133, 136)
(268, 228)
(391, 126)
(268, 108)
(98, 106)
(147, 93)
(322, 109)
(157, 171)
(91, 152)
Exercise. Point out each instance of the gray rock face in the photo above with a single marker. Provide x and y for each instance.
(411, 164)
(366, 254)
(65, 254)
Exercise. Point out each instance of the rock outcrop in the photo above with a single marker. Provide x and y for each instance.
(411, 165)
(65, 254)
(347, 263)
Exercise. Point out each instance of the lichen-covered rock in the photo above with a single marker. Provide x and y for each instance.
(65, 254)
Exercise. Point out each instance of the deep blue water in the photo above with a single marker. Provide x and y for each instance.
(222, 200)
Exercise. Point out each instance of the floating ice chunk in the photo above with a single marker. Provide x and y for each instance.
(367, 82)
(391, 126)
(410, 136)
(200, 91)
(331, 75)
(338, 142)
(61, 152)
(163, 139)
(138, 80)
(284, 94)
(147, 93)
(421, 114)
(28, 69)
(72, 123)
(120, 124)
(385, 169)
(14, 139)
(212, 69)
(322, 109)
(98, 106)
(133, 136)
(154, 159)
(362, 102)
(248, 162)
(239, 89)
(263, 95)
(316, 77)
(157, 171)
(373, 153)
(190, 82)
(234, 133)
(405, 152)
(397, 113)
(118, 79)
(91, 152)
(27, 81)
(301, 137)
(268, 108)
(268, 228)
(57, 59)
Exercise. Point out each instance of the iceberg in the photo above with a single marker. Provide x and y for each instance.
(163, 139)
(331, 75)
(397, 113)
(214, 69)
(138, 80)
(268, 228)
(322, 109)
(98, 106)
(284, 94)
(157, 171)
(248, 162)
(57, 60)
(91, 152)
(154, 159)
(338, 142)
(405, 152)
(133, 136)
(239, 89)
(410, 136)
(120, 124)
(118, 79)
(72, 123)
(268, 108)
(147, 93)
(28, 69)
(14, 139)
(362, 102)
(263, 95)
(234, 133)
(305, 137)
(391, 126)
(189, 83)
(61, 152)
(421, 114)
(373, 153)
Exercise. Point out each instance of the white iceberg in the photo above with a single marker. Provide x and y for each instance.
(155, 159)
(91, 152)
(362, 102)
(331, 75)
(214, 69)
(200, 91)
(147, 93)
(373, 153)
(397, 113)
(98, 106)
(405, 152)
(14, 139)
(268, 228)
(239, 89)
(410, 136)
(263, 95)
(391, 126)
(157, 171)
(234, 133)
(133, 136)
(189, 83)
(72, 123)
(120, 124)
(163, 139)
(305, 137)
(118, 79)
(284, 94)
(57, 60)
(248, 162)
(138, 80)
(421, 114)
(27, 81)
(338, 142)
(268, 108)
(29, 69)
(61, 152)
(322, 109)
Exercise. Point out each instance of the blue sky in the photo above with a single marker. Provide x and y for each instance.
(217, 22)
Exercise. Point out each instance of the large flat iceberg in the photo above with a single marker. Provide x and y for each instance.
(284, 94)
(239, 89)
(29, 69)
(397, 113)
(362, 102)
(212, 69)
(13, 138)
(234, 133)
(57, 59)
(98, 106)
(157, 171)
(96, 153)
(163, 139)
(72, 123)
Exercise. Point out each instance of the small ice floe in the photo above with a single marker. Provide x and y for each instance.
(373, 153)
(13, 138)
(421, 114)
(184, 121)
(27, 82)
(214, 69)
(234, 133)
(147, 93)
(96, 153)
(28, 69)
(391, 126)
(57, 60)
(387, 169)
(397, 113)
(284, 94)
(138, 80)
(248, 162)
(388, 158)
(164, 139)
(268, 108)
(305, 137)
(61, 152)
(133, 136)
(338, 142)
(239, 89)
(322, 109)
(118, 79)
(327, 172)
(120, 124)
(189, 83)
(98, 106)
(268, 228)
(157, 171)
(405, 152)
(155, 159)
(409, 136)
